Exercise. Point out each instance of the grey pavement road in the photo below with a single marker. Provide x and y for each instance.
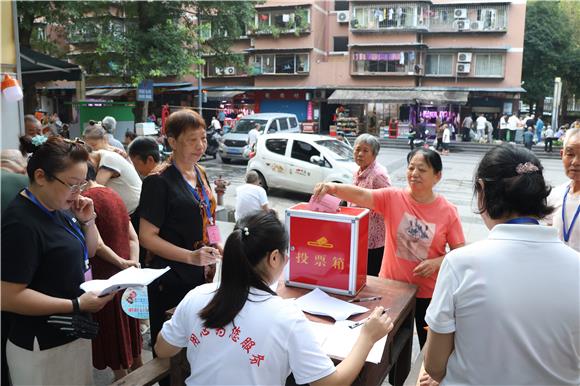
(456, 186)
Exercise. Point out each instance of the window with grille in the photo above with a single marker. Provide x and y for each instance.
(439, 64)
(491, 65)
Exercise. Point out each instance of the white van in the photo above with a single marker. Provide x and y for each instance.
(234, 144)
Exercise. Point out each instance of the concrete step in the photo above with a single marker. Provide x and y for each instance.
(470, 147)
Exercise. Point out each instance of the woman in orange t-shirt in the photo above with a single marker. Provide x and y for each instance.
(419, 224)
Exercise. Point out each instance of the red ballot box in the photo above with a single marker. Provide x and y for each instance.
(327, 250)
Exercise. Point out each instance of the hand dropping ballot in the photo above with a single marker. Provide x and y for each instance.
(130, 277)
(326, 203)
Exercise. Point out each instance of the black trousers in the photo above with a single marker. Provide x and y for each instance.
(548, 144)
(465, 137)
(421, 306)
(375, 258)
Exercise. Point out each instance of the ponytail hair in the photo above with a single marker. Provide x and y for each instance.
(254, 237)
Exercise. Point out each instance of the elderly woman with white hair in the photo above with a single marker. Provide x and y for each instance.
(110, 125)
(372, 175)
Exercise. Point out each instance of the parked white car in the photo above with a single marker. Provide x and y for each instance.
(297, 162)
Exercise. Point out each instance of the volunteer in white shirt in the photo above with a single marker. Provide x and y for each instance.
(480, 126)
(253, 136)
(243, 333)
(251, 196)
(513, 123)
(566, 198)
(505, 309)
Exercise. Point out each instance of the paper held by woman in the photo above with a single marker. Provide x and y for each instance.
(130, 277)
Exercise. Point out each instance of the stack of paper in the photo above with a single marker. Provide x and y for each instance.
(317, 302)
(130, 277)
(337, 340)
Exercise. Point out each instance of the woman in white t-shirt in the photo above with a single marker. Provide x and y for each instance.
(114, 168)
(241, 332)
(505, 309)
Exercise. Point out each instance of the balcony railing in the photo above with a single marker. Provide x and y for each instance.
(467, 18)
(434, 18)
(392, 16)
(276, 22)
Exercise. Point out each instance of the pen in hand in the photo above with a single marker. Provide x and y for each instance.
(360, 323)
(370, 299)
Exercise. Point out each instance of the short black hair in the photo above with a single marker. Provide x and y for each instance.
(143, 147)
(509, 192)
(183, 120)
(55, 155)
(432, 158)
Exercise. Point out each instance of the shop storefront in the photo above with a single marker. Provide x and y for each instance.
(389, 113)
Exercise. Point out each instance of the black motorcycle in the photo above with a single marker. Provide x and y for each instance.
(213, 142)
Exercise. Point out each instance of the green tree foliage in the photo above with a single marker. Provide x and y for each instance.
(136, 40)
(551, 50)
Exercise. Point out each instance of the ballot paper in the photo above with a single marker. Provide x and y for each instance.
(317, 302)
(337, 340)
(130, 277)
(326, 203)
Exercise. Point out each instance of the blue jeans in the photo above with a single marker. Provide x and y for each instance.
(539, 134)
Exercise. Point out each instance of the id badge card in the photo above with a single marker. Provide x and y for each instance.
(89, 274)
(213, 233)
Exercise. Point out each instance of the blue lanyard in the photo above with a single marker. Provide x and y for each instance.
(77, 233)
(568, 231)
(206, 204)
(523, 220)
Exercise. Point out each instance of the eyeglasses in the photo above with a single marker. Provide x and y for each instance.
(73, 188)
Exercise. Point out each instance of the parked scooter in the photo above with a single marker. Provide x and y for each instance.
(213, 142)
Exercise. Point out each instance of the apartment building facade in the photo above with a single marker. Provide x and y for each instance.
(376, 61)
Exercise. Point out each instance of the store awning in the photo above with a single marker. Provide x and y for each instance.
(456, 97)
(108, 92)
(398, 96)
(37, 67)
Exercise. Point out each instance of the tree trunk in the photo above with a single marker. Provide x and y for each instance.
(30, 102)
(540, 107)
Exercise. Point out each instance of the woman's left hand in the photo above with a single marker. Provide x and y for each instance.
(427, 267)
(83, 209)
(426, 380)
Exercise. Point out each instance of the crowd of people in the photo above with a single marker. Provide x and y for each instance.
(76, 210)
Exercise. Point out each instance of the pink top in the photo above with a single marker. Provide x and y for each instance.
(375, 176)
(415, 232)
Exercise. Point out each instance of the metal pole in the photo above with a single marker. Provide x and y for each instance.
(20, 103)
(199, 76)
(556, 102)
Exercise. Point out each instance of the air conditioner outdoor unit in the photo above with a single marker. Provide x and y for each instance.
(229, 71)
(219, 71)
(462, 25)
(477, 25)
(463, 68)
(342, 16)
(460, 13)
(464, 57)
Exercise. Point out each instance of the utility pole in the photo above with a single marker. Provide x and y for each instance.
(556, 102)
(200, 69)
